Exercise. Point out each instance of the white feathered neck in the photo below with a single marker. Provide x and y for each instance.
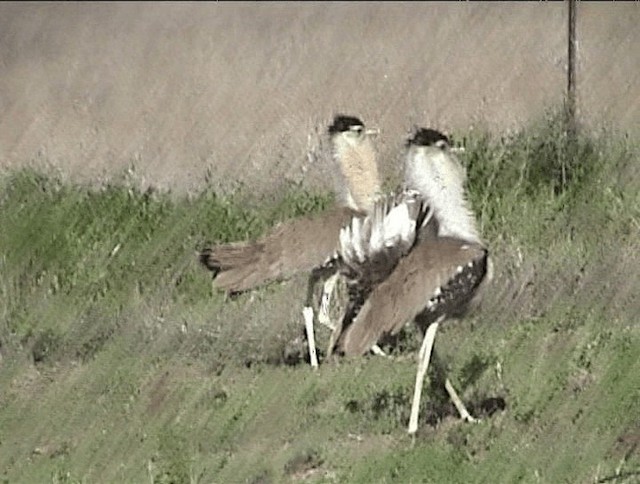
(440, 178)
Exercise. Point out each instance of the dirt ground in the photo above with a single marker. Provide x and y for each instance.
(237, 93)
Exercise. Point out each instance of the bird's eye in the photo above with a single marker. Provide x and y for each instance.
(442, 144)
(356, 129)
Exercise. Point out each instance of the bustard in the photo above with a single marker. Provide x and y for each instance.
(305, 244)
(371, 246)
(440, 277)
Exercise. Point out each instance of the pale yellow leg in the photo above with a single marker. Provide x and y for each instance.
(307, 313)
(325, 301)
(332, 339)
(323, 317)
(462, 410)
(423, 365)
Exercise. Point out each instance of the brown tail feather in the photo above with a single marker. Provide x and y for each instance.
(232, 263)
(208, 258)
(225, 257)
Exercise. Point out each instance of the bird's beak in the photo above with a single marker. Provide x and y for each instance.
(372, 131)
(457, 149)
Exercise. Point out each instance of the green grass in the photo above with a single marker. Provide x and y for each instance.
(120, 364)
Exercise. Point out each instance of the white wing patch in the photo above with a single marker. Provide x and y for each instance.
(375, 243)
(397, 225)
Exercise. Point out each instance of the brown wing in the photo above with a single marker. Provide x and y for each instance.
(438, 274)
(297, 245)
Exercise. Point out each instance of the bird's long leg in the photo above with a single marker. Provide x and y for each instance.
(334, 335)
(325, 301)
(330, 282)
(307, 314)
(323, 316)
(462, 410)
(441, 377)
(345, 318)
(423, 365)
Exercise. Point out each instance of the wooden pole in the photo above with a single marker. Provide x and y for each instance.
(571, 68)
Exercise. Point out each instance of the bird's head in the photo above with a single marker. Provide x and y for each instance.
(355, 154)
(349, 132)
(433, 169)
(431, 159)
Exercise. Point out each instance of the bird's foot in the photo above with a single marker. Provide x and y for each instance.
(376, 350)
(468, 418)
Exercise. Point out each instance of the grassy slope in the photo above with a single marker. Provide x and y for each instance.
(119, 364)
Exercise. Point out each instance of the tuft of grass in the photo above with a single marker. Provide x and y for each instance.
(120, 364)
(74, 256)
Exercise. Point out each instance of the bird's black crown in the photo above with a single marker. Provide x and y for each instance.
(342, 123)
(427, 137)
